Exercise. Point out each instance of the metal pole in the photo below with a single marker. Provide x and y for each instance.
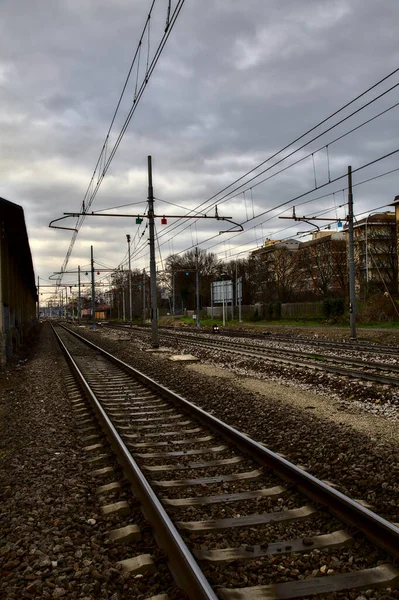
(153, 271)
(224, 320)
(144, 290)
(130, 281)
(79, 297)
(123, 301)
(111, 296)
(236, 283)
(352, 289)
(66, 303)
(173, 294)
(197, 288)
(93, 300)
(239, 305)
(212, 301)
(367, 258)
(38, 297)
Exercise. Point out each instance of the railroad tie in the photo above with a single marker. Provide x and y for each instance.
(377, 577)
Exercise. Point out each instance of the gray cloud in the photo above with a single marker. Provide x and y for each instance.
(236, 82)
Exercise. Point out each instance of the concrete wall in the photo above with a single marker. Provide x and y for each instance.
(18, 293)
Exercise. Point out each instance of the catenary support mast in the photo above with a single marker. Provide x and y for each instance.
(153, 272)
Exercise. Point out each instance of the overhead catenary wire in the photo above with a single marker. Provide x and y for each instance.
(228, 196)
(303, 234)
(291, 200)
(90, 193)
(307, 201)
(302, 136)
(238, 191)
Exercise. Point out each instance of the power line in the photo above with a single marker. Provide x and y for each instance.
(293, 142)
(229, 195)
(302, 234)
(307, 201)
(270, 158)
(90, 195)
(325, 211)
(307, 193)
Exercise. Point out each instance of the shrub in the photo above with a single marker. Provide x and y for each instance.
(333, 307)
(277, 310)
(377, 308)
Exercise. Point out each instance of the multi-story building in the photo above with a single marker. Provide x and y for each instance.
(376, 254)
(395, 203)
(277, 271)
(317, 269)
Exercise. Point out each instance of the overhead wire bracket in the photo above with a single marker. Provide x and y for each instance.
(232, 230)
(58, 227)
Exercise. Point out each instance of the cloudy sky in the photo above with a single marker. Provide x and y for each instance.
(236, 83)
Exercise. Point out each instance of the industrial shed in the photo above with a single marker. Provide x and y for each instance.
(18, 294)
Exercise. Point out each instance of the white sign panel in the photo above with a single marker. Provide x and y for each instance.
(222, 291)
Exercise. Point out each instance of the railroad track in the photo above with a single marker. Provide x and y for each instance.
(345, 345)
(382, 373)
(237, 521)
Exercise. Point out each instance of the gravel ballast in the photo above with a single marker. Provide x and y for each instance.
(52, 531)
(359, 453)
(51, 526)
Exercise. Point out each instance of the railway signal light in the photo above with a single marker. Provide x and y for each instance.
(164, 221)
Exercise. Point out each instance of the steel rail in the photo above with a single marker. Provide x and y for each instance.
(382, 532)
(318, 364)
(183, 565)
(359, 346)
(310, 355)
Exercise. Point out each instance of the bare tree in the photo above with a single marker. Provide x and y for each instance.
(324, 267)
(181, 269)
(286, 282)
